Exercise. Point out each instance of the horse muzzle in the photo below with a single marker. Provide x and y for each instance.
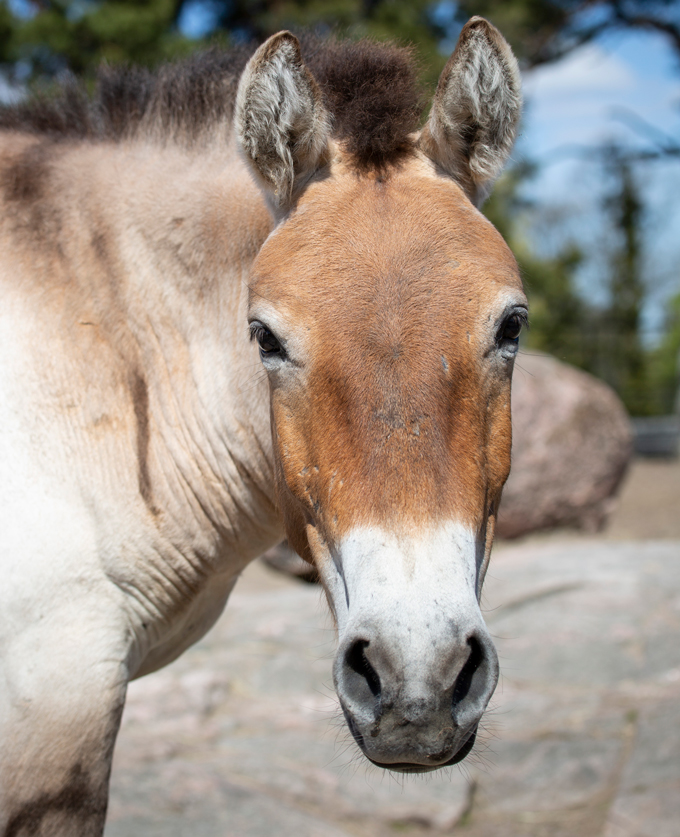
(417, 715)
(415, 666)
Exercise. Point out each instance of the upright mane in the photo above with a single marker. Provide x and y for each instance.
(371, 90)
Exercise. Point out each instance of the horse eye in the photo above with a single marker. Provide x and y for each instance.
(511, 328)
(268, 343)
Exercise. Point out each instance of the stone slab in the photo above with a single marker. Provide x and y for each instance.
(242, 735)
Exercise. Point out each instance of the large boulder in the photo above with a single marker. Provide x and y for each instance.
(572, 442)
(571, 445)
(284, 559)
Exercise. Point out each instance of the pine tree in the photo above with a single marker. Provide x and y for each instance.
(622, 359)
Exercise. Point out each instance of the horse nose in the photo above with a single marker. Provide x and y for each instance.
(417, 711)
(476, 680)
(360, 679)
(366, 666)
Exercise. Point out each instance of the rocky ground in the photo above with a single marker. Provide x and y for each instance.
(241, 736)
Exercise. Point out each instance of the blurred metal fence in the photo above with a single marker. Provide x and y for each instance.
(656, 435)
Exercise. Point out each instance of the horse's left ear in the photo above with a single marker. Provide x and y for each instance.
(281, 123)
(476, 110)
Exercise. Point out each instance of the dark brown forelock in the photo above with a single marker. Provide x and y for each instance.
(371, 89)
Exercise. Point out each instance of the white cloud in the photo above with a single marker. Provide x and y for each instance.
(576, 100)
(589, 69)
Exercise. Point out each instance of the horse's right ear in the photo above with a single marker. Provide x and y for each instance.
(281, 123)
(476, 110)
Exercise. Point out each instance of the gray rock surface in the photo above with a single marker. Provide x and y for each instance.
(242, 736)
(571, 444)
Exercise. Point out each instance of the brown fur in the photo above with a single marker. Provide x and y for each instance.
(140, 400)
(77, 802)
(400, 384)
(372, 91)
(25, 182)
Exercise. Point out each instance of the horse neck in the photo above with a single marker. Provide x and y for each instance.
(185, 228)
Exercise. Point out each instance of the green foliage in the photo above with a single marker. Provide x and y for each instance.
(664, 363)
(529, 25)
(605, 340)
(622, 361)
(80, 35)
(404, 21)
(559, 317)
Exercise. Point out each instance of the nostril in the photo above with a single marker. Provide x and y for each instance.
(472, 679)
(363, 678)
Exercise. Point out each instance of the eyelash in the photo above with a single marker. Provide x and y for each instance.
(518, 319)
(268, 342)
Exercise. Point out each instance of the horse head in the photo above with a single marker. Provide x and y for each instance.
(387, 310)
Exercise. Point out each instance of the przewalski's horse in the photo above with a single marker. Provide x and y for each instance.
(145, 460)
